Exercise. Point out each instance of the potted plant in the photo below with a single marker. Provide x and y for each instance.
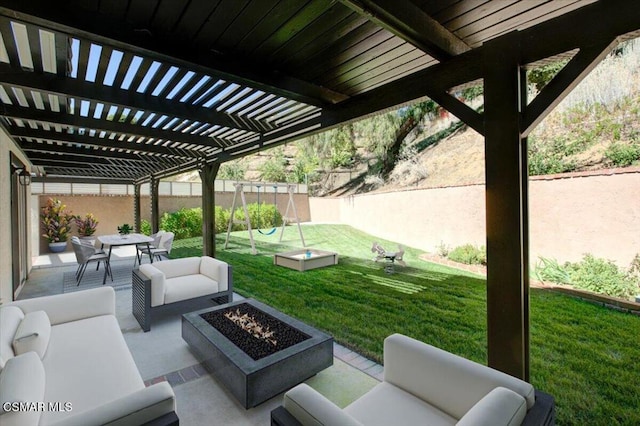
(55, 222)
(124, 230)
(86, 227)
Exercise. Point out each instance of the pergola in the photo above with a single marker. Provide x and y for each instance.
(132, 91)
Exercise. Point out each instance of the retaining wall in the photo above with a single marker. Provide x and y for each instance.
(569, 214)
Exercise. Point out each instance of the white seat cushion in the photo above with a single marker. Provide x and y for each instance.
(88, 364)
(387, 404)
(188, 287)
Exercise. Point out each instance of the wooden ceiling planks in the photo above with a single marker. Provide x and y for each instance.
(183, 80)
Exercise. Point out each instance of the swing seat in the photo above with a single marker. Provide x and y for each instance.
(267, 232)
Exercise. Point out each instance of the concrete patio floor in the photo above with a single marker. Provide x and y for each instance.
(162, 354)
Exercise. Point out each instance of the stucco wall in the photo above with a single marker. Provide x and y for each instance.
(569, 214)
(112, 211)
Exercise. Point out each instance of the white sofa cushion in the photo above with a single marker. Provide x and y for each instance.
(89, 364)
(217, 270)
(188, 287)
(387, 404)
(501, 406)
(179, 267)
(68, 307)
(449, 382)
(10, 319)
(22, 380)
(33, 334)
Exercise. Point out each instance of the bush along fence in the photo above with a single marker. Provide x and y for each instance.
(186, 223)
(592, 279)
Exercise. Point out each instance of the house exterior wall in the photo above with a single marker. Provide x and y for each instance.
(7, 147)
(569, 215)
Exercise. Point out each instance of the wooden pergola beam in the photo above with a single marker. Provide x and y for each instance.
(111, 95)
(409, 22)
(68, 120)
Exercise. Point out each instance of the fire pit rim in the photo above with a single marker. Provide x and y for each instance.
(236, 355)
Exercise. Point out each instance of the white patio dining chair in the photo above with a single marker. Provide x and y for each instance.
(86, 254)
(165, 246)
(143, 249)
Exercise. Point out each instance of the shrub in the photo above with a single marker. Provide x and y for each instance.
(221, 219)
(600, 276)
(622, 154)
(469, 254)
(184, 223)
(551, 271)
(260, 217)
(145, 227)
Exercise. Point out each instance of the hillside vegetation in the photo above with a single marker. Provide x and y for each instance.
(597, 126)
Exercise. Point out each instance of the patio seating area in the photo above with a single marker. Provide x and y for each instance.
(163, 355)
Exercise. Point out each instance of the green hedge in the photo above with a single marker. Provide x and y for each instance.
(469, 254)
(186, 223)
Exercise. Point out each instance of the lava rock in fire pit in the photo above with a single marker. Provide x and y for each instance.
(283, 334)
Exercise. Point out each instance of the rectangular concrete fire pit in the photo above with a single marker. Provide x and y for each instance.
(305, 259)
(252, 381)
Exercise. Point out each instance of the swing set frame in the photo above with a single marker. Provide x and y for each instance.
(291, 205)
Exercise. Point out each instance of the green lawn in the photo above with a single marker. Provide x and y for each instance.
(586, 356)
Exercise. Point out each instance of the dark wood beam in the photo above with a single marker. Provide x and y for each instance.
(506, 209)
(564, 82)
(83, 179)
(208, 173)
(154, 185)
(111, 95)
(464, 112)
(108, 126)
(75, 150)
(409, 22)
(119, 34)
(94, 141)
(593, 24)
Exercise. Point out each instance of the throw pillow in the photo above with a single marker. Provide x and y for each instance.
(33, 334)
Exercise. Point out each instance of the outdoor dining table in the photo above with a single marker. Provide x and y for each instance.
(124, 240)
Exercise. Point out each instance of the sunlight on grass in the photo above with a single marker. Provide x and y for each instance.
(397, 285)
(586, 356)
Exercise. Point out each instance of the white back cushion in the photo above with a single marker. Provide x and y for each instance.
(33, 334)
(22, 380)
(217, 270)
(179, 267)
(10, 319)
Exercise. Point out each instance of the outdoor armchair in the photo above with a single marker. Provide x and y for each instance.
(428, 386)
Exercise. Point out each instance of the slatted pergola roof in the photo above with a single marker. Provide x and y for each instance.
(121, 90)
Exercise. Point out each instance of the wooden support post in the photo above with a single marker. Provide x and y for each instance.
(136, 208)
(155, 204)
(506, 208)
(208, 173)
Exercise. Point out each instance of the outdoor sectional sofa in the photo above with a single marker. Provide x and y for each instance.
(424, 385)
(64, 358)
(180, 285)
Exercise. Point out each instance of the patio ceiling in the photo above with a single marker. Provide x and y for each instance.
(123, 90)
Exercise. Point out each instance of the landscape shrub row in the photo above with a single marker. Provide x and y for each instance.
(186, 223)
(593, 274)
